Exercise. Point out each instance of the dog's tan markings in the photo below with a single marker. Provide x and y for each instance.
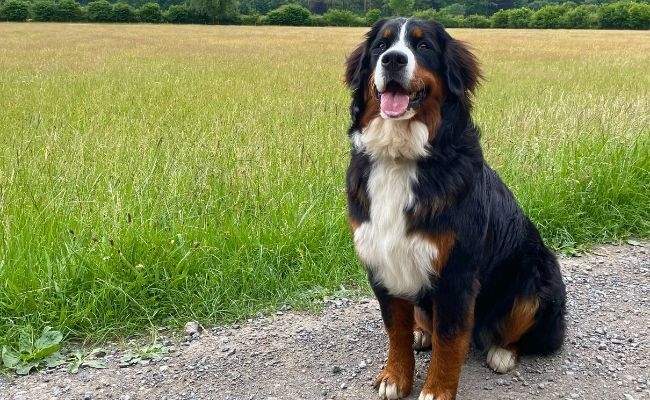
(397, 375)
(386, 33)
(444, 243)
(353, 225)
(372, 103)
(521, 318)
(447, 357)
(430, 113)
(418, 33)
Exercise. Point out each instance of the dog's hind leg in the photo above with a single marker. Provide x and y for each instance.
(502, 355)
(421, 330)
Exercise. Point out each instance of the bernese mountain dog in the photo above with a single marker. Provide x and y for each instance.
(449, 253)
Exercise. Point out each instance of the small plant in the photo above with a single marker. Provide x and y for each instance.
(153, 352)
(33, 353)
(80, 358)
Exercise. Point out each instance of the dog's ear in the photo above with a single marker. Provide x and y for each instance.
(463, 73)
(357, 64)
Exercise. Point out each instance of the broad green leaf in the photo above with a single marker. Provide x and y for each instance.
(98, 352)
(48, 338)
(95, 363)
(25, 369)
(10, 358)
(25, 343)
(73, 368)
(54, 360)
(45, 351)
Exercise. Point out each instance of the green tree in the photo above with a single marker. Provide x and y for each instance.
(289, 14)
(67, 11)
(519, 17)
(500, 19)
(14, 10)
(43, 10)
(216, 11)
(476, 21)
(337, 17)
(481, 7)
(402, 8)
(150, 13)
(123, 12)
(372, 15)
(177, 14)
(443, 18)
(317, 20)
(254, 18)
(639, 16)
(582, 17)
(455, 9)
(548, 17)
(99, 11)
(614, 16)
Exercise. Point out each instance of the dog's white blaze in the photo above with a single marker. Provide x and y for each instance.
(400, 45)
(401, 262)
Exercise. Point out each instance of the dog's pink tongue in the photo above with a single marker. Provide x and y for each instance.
(394, 104)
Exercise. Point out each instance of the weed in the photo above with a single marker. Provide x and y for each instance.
(155, 351)
(33, 352)
(79, 358)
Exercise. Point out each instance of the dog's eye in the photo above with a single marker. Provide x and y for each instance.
(381, 46)
(423, 46)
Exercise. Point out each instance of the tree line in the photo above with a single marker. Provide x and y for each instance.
(617, 15)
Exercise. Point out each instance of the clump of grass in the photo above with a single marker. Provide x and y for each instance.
(154, 175)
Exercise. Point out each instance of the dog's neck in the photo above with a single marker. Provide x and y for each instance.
(388, 139)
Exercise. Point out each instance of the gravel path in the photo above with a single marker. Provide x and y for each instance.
(337, 353)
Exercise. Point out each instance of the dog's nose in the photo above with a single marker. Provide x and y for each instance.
(394, 61)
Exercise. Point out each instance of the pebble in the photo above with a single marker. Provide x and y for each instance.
(192, 328)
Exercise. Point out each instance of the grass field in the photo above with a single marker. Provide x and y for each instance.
(154, 174)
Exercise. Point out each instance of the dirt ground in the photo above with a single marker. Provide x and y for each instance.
(336, 354)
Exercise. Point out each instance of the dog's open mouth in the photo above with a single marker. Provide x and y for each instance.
(395, 101)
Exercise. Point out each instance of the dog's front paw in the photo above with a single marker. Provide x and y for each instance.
(393, 386)
(444, 395)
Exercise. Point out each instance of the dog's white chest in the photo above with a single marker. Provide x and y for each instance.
(401, 262)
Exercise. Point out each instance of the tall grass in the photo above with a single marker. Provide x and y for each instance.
(154, 174)
(566, 122)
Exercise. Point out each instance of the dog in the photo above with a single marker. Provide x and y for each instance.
(449, 253)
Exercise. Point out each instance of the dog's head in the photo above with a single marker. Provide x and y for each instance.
(407, 68)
